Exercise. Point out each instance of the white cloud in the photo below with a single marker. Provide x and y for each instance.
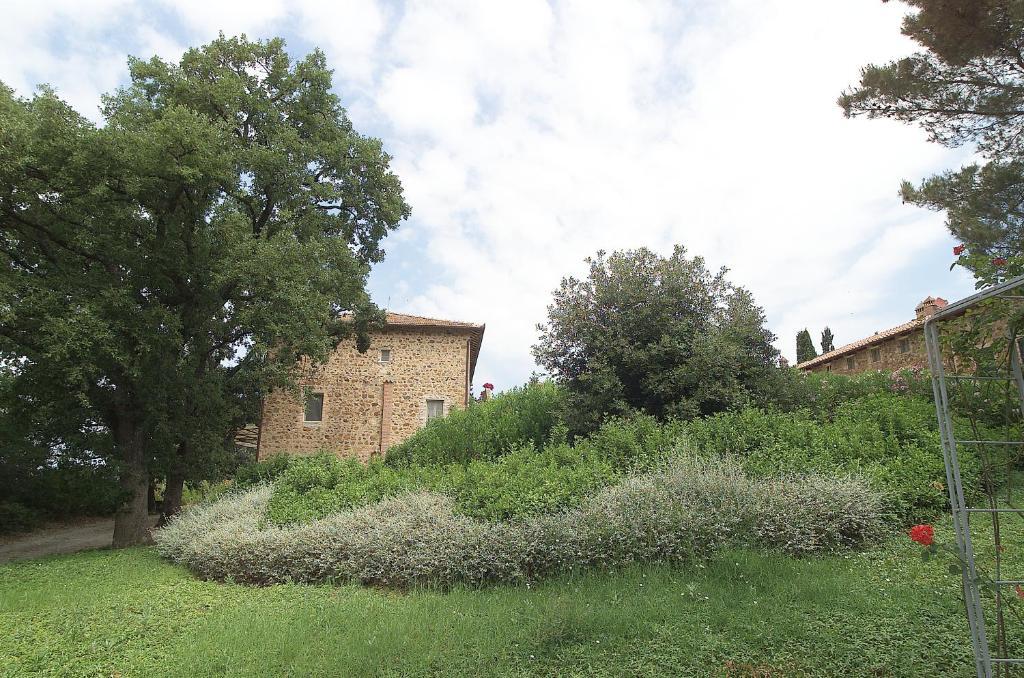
(349, 32)
(620, 125)
(209, 17)
(47, 43)
(530, 134)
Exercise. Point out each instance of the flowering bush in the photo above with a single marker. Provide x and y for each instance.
(922, 534)
(686, 511)
(906, 381)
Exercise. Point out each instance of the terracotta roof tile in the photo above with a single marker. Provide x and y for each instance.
(423, 321)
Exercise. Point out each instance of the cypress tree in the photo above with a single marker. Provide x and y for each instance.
(805, 346)
(826, 340)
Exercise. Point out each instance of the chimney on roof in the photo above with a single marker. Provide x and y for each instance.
(929, 306)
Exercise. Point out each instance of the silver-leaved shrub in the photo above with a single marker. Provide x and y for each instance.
(685, 511)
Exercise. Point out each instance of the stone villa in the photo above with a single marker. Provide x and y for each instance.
(893, 349)
(358, 404)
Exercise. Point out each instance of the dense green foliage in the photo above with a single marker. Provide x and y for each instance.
(55, 492)
(682, 512)
(46, 471)
(805, 346)
(661, 335)
(892, 439)
(523, 482)
(255, 472)
(823, 393)
(485, 430)
(225, 206)
(876, 424)
(965, 87)
(883, 612)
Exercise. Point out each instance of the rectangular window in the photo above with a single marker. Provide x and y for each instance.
(435, 409)
(851, 363)
(904, 345)
(876, 355)
(385, 355)
(314, 407)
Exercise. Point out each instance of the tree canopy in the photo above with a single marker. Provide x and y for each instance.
(659, 334)
(965, 87)
(161, 271)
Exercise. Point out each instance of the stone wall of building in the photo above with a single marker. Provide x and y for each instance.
(890, 356)
(367, 404)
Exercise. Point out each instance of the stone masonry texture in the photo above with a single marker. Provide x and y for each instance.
(368, 404)
(889, 357)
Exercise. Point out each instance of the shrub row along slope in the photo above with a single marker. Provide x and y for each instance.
(498, 493)
(855, 426)
(683, 512)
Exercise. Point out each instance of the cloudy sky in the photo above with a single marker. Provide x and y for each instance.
(530, 134)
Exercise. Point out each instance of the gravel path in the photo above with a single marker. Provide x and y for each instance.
(94, 533)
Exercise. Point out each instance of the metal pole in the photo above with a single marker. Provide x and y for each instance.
(961, 527)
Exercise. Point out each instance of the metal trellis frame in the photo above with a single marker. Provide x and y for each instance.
(972, 584)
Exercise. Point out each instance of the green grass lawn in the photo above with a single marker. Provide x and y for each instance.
(129, 613)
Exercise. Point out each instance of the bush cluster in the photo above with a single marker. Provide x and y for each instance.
(485, 430)
(891, 439)
(521, 481)
(261, 472)
(38, 492)
(682, 512)
(823, 393)
(887, 437)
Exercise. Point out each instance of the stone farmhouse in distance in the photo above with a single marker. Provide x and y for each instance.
(893, 349)
(359, 404)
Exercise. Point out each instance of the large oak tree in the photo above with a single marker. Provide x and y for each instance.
(160, 271)
(663, 335)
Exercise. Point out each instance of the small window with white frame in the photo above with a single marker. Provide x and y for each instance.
(851, 363)
(314, 413)
(904, 345)
(435, 409)
(385, 355)
(876, 355)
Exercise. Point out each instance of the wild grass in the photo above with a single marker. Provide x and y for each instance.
(883, 612)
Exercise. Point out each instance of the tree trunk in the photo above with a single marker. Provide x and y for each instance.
(131, 522)
(172, 496)
(151, 496)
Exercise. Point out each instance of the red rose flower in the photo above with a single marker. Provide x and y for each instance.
(959, 249)
(922, 534)
(489, 386)
(1019, 590)
(999, 261)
